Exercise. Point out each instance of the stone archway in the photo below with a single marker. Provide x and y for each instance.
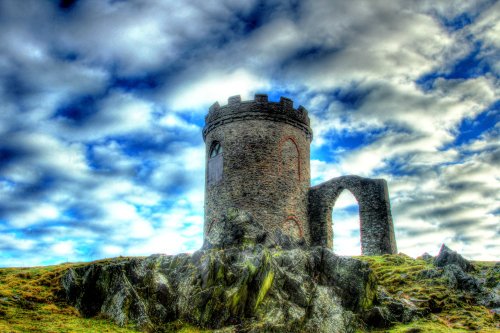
(377, 230)
(345, 225)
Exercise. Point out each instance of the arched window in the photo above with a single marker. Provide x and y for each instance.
(215, 163)
(216, 149)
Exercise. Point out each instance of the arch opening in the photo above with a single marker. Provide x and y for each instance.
(346, 224)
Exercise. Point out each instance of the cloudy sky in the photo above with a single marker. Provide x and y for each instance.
(103, 103)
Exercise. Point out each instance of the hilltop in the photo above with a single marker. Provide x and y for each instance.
(254, 289)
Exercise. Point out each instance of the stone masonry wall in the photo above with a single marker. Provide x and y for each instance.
(265, 164)
(377, 231)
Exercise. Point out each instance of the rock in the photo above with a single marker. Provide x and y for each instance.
(426, 256)
(429, 274)
(447, 256)
(236, 228)
(402, 310)
(489, 299)
(377, 317)
(256, 288)
(352, 278)
(458, 279)
(493, 277)
(391, 309)
(285, 241)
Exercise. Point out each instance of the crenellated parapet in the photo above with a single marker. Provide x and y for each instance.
(259, 108)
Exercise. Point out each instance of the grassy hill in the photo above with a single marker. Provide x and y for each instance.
(31, 300)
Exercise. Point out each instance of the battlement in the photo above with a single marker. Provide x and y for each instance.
(258, 108)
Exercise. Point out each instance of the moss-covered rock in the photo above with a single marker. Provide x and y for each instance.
(255, 288)
(415, 295)
(448, 257)
(251, 290)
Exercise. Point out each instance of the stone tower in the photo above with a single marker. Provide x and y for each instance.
(257, 160)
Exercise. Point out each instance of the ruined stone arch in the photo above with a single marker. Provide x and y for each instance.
(376, 227)
(289, 154)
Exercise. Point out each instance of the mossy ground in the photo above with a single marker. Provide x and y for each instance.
(30, 301)
(451, 311)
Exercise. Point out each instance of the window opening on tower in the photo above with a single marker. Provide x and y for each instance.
(216, 149)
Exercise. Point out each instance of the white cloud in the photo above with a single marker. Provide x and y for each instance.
(117, 114)
(487, 30)
(174, 121)
(40, 152)
(180, 230)
(64, 248)
(270, 47)
(36, 215)
(354, 65)
(12, 242)
(217, 86)
(112, 250)
(383, 42)
(185, 166)
(123, 113)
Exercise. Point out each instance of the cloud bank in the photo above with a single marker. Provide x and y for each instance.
(103, 104)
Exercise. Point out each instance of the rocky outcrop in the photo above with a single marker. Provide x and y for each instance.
(447, 257)
(242, 277)
(238, 283)
(456, 272)
(253, 288)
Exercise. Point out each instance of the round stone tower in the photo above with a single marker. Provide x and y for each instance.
(257, 160)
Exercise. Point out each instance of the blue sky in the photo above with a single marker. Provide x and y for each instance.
(103, 103)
